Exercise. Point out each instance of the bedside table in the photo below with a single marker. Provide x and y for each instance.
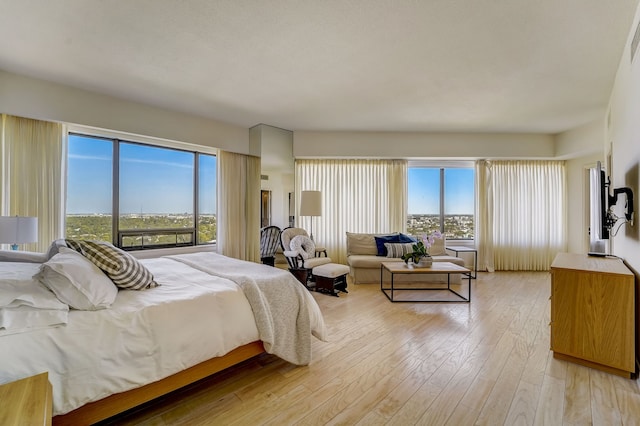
(26, 401)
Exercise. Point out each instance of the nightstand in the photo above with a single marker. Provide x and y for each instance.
(26, 401)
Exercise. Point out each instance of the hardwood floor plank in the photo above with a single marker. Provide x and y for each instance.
(523, 406)
(462, 379)
(379, 389)
(468, 410)
(577, 396)
(629, 404)
(372, 419)
(551, 402)
(497, 406)
(604, 405)
(487, 362)
(412, 410)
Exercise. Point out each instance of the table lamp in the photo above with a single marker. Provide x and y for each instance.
(311, 205)
(16, 230)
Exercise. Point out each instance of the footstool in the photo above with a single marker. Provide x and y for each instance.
(331, 278)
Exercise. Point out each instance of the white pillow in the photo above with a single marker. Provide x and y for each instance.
(77, 281)
(303, 245)
(438, 247)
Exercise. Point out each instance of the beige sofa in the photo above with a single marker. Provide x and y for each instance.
(364, 262)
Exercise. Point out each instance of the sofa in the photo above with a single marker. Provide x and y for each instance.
(365, 257)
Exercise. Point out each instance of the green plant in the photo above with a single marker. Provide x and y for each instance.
(420, 248)
(419, 251)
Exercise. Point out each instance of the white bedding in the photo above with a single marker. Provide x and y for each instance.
(143, 337)
(25, 304)
(285, 313)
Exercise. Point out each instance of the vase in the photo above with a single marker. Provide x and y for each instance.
(425, 262)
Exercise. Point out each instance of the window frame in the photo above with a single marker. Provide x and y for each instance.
(442, 165)
(117, 234)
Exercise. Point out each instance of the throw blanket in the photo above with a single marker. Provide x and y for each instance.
(279, 302)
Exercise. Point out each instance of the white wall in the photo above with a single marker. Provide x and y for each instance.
(623, 134)
(584, 147)
(578, 202)
(581, 141)
(416, 145)
(275, 147)
(43, 100)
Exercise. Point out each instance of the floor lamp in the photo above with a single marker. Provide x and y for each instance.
(311, 205)
(18, 230)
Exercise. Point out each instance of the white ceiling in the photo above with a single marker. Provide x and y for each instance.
(390, 65)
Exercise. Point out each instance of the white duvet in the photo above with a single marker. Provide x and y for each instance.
(25, 304)
(145, 336)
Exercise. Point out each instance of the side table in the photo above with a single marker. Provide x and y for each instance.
(26, 401)
(320, 251)
(465, 249)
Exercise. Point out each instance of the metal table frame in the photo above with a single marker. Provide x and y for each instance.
(464, 249)
(412, 271)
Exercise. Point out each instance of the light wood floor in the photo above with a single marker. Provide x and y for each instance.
(486, 363)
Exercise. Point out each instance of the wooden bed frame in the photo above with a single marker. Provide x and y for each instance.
(114, 404)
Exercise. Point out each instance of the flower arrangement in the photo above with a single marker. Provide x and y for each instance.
(421, 247)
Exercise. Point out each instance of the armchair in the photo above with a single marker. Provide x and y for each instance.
(304, 262)
(300, 250)
(269, 239)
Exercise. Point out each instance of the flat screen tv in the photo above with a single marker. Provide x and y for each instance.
(600, 203)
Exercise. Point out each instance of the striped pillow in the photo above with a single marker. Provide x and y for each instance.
(124, 270)
(398, 249)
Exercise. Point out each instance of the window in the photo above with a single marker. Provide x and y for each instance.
(441, 199)
(138, 195)
(207, 184)
(89, 188)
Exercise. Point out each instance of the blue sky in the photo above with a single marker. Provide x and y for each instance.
(158, 180)
(152, 179)
(424, 191)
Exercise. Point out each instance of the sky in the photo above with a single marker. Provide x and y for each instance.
(424, 190)
(152, 179)
(160, 180)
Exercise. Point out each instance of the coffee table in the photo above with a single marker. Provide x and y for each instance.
(448, 268)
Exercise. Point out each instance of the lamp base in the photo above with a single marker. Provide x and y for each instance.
(14, 247)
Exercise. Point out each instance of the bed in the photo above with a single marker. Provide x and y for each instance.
(207, 312)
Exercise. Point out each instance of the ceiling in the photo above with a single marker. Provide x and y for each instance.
(540, 66)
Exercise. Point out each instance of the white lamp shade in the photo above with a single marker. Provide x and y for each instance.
(311, 203)
(18, 230)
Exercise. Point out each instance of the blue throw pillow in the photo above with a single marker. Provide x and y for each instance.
(403, 238)
(382, 250)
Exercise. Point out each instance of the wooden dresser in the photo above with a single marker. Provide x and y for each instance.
(593, 313)
(26, 402)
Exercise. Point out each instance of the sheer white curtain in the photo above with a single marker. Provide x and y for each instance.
(358, 196)
(524, 222)
(484, 216)
(32, 175)
(239, 206)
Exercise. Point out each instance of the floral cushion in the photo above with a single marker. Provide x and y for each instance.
(303, 245)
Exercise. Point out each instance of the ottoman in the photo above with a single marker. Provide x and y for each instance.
(331, 278)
